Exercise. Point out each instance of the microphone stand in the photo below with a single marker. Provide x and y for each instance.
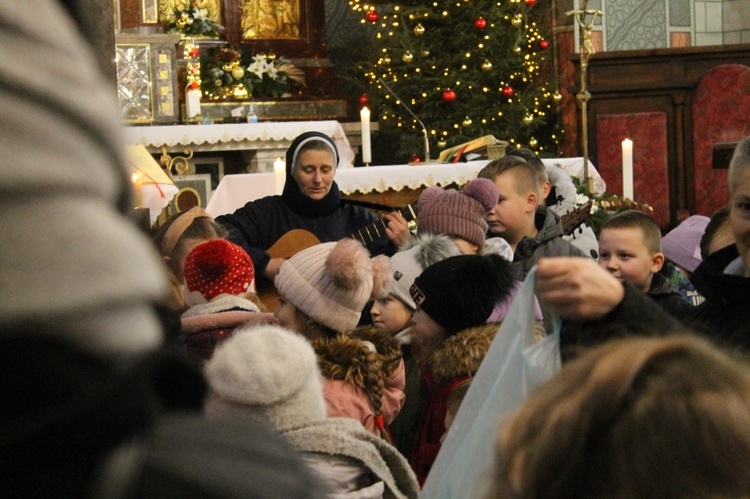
(424, 129)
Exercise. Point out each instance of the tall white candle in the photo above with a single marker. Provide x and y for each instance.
(279, 175)
(364, 115)
(627, 168)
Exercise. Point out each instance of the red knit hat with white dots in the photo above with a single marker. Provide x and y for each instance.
(217, 267)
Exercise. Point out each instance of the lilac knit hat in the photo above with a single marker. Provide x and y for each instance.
(682, 245)
(458, 213)
(332, 282)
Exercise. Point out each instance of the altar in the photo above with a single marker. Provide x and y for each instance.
(262, 142)
(359, 183)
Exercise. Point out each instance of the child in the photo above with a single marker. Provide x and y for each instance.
(176, 237)
(323, 290)
(461, 216)
(514, 218)
(454, 298)
(682, 251)
(220, 291)
(675, 412)
(393, 314)
(558, 193)
(453, 404)
(271, 372)
(630, 249)
(458, 214)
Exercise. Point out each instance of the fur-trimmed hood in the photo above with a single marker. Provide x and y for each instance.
(461, 354)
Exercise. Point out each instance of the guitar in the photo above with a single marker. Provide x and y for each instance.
(297, 240)
(574, 219)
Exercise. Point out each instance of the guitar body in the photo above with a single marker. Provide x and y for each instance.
(292, 243)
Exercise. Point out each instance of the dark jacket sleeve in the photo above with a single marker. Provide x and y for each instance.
(636, 315)
(248, 228)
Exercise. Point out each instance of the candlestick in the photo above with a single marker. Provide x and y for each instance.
(279, 175)
(364, 115)
(627, 168)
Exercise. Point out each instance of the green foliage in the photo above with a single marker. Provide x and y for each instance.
(605, 205)
(192, 21)
(423, 49)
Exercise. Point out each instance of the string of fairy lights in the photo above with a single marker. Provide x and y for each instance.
(403, 57)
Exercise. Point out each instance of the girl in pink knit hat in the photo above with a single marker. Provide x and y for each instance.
(323, 291)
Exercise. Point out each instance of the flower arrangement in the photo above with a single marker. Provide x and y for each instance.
(605, 205)
(192, 21)
(274, 76)
(227, 74)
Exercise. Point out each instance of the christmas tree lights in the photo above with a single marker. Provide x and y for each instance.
(466, 68)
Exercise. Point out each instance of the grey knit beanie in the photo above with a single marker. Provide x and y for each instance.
(408, 263)
(266, 370)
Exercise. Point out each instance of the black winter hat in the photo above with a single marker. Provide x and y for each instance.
(461, 291)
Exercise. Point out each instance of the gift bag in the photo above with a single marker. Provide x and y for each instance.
(513, 367)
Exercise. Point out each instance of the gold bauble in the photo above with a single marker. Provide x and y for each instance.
(407, 57)
(532, 142)
(238, 73)
(517, 22)
(442, 143)
(528, 119)
(419, 30)
(218, 82)
(487, 66)
(386, 60)
(425, 53)
(466, 122)
(557, 97)
(229, 66)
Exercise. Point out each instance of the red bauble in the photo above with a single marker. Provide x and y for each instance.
(507, 91)
(449, 96)
(194, 53)
(543, 44)
(372, 16)
(480, 23)
(530, 3)
(364, 100)
(415, 159)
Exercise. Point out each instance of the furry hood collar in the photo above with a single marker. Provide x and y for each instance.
(461, 354)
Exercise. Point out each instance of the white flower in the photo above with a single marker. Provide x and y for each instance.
(581, 199)
(201, 14)
(273, 72)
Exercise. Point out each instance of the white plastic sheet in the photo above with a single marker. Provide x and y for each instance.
(513, 367)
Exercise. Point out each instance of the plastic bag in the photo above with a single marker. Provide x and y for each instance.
(513, 367)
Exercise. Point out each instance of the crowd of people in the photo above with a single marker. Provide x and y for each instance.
(127, 375)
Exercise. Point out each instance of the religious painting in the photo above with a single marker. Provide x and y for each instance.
(167, 7)
(270, 19)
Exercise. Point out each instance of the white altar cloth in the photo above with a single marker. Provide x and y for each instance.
(242, 136)
(235, 190)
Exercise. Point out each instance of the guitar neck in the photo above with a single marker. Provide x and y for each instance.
(376, 230)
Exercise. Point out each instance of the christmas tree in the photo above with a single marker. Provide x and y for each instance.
(466, 68)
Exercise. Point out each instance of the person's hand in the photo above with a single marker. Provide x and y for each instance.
(397, 228)
(274, 264)
(577, 288)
